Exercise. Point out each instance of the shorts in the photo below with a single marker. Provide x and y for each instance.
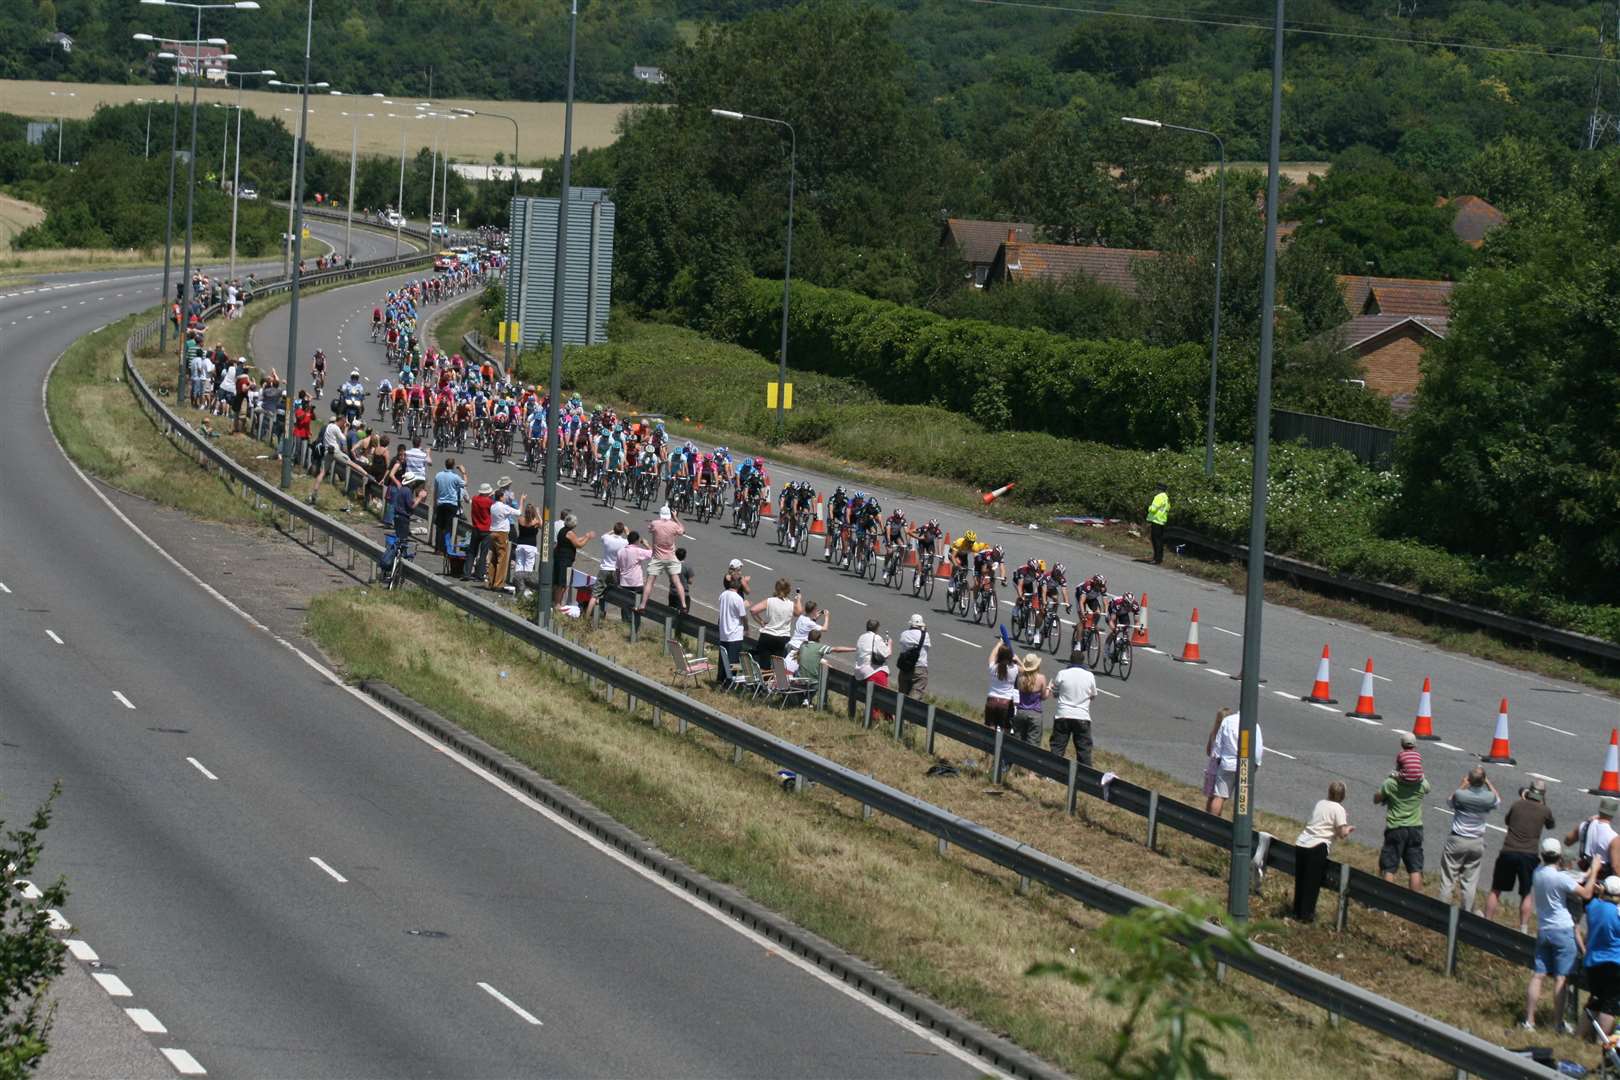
(1556, 953)
(672, 567)
(1603, 982)
(1402, 846)
(1224, 783)
(1512, 872)
(604, 580)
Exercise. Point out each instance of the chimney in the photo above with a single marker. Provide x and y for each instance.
(1012, 236)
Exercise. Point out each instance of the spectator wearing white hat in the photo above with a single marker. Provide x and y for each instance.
(1516, 862)
(1558, 939)
(735, 576)
(1603, 952)
(912, 661)
(408, 496)
(664, 531)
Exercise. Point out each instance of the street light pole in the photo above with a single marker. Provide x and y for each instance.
(1220, 252)
(1254, 593)
(511, 346)
(61, 119)
(236, 179)
(548, 535)
(787, 262)
(399, 209)
(295, 249)
(168, 225)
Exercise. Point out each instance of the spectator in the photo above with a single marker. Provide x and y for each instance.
(734, 574)
(630, 563)
(244, 386)
(407, 497)
(1516, 864)
(1220, 772)
(912, 662)
(417, 458)
(1408, 759)
(1075, 689)
(607, 574)
(1595, 836)
(478, 523)
(813, 652)
(303, 419)
(775, 615)
(732, 618)
(1028, 723)
(681, 599)
(379, 457)
(1603, 952)
(665, 531)
(1158, 515)
(502, 516)
(1328, 823)
(872, 655)
(449, 488)
(1558, 939)
(1402, 797)
(562, 556)
(1475, 798)
(334, 448)
(526, 549)
(998, 700)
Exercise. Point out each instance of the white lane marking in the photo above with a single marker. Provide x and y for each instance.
(146, 1021)
(652, 877)
(1319, 705)
(4, 588)
(81, 950)
(1379, 677)
(1217, 671)
(705, 603)
(1549, 727)
(1448, 746)
(55, 920)
(201, 769)
(1224, 630)
(1151, 649)
(761, 565)
(1283, 694)
(1450, 813)
(122, 700)
(111, 983)
(510, 1004)
(1279, 753)
(183, 1062)
(53, 636)
(1549, 779)
(1110, 693)
(862, 603)
(953, 637)
(337, 877)
(1358, 719)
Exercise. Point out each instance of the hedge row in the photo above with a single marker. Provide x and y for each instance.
(1123, 393)
(1325, 507)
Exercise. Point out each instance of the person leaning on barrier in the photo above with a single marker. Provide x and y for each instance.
(1328, 823)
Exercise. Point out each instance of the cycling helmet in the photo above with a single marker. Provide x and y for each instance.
(971, 537)
(1057, 568)
(1102, 582)
(355, 374)
(1040, 564)
(997, 552)
(932, 524)
(896, 515)
(1129, 598)
(759, 463)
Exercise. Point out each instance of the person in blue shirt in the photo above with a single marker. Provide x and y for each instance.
(1603, 951)
(449, 488)
(410, 494)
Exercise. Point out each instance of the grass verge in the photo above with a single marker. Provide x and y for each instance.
(950, 926)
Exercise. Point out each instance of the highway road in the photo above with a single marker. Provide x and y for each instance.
(287, 882)
(1162, 716)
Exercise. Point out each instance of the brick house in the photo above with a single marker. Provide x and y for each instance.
(206, 60)
(977, 242)
(1390, 349)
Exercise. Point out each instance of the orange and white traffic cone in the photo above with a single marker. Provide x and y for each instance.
(1321, 690)
(1423, 726)
(991, 496)
(1139, 636)
(1501, 753)
(817, 526)
(944, 568)
(1189, 651)
(1610, 784)
(912, 562)
(1364, 709)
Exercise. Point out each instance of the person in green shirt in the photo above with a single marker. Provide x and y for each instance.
(1158, 515)
(1402, 797)
(812, 652)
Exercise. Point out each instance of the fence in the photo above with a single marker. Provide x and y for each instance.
(1372, 445)
(1466, 1052)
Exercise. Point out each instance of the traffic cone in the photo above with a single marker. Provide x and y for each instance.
(1423, 726)
(1321, 690)
(991, 496)
(944, 568)
(1139, 636)
(817, 527)
(1189, 652)
(765, 510)
(1610, 784)
(1501, 753)
(1364, 709)
(912, 562)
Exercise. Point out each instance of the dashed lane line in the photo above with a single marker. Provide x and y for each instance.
(81, 950)
(1549, 779)
(953, 637)
(111, 983)
(183, 1062)
(1224, 630)
(54, 636)
(510, 1004)
(335, 876)
(201, 768)
(863, 603)
(122, 700)
(146, 1021)
(768, 570)
(1549, 727)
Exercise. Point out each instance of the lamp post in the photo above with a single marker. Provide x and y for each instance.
(61, 118)
(294, 201)
(1220, 251)
(1254, 592)
(548, 517)
(191, 161)
(296, 250)
(399, 210)
(787, 262)
(354, 145)
(514, 123)
(148, 103)
(236, 179)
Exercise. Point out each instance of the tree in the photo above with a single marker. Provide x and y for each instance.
(30, 955)
(1078, 307)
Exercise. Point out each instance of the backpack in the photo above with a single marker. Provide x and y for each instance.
(907, 660)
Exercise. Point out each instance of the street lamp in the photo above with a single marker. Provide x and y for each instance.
(61, 119)
(399, 211)
(293, 210)
(514, 123)
(787, 265)
(295, 258)
(236, 179)
(191, 162)
(354, 144)
(1220, 250)
(148, 102)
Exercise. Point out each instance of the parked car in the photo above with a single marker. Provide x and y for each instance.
(249, 193)
(438, 229)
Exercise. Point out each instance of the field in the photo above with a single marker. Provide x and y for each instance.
(473, 138)
(15, 216)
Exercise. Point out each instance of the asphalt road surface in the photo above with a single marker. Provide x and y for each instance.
(287, 882)
(1162, 715)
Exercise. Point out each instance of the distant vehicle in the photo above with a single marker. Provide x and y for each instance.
(395, 219)
(439, 229)
(444, 260)
(249, 193)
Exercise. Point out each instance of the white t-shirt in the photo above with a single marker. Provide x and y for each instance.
(333, 439)
(501, 516)
(1003, 689)
(911, 637)
(801, 631)
(1076, 689)
(1327, 818)
(733, 616)
(1226, 744)
(778, 617)
(1598, 835)
(612, 544)
(416, 460)
(868, 647)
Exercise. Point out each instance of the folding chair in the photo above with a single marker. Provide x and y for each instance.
(784, 688)
(686, 665)
(751, 678)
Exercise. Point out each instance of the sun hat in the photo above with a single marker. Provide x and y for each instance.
(412, 478)
(485, 489)
(1551, 846)
(734, 564)
(1611, 885)
(1408, 739)
(1029, 663)
(1608, 806)
(503, 482)
(1537, 791)
(917, 622)
(663, 513)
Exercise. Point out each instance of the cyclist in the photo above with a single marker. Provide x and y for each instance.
(988, 565)
(385, 396)
(837, 506)
(1026, 583)
(964, 554)
(376, 322)
(317, 372)
(927, 536)
(1122, 612)
(1092, 595)
(895, 534)
(1054, 586)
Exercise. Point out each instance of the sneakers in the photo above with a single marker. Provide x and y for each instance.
(1566, 1028)
(1526, 1025)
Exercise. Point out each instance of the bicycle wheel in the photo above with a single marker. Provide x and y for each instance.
(804, 539)
(927, 571)
(964, 599)
(1054, 634)
(871, 567)
(1108, 657)
(1124, 664)
(991, 606)
(1015, 622)
(753, 522)
(1093, 649)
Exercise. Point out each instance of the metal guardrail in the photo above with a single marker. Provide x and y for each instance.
(1465, 1051)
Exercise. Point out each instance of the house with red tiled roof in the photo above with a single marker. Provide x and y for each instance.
(1367, 295)
(977, 241)
(1390, 349)
(1475, 217)
(1017, 261)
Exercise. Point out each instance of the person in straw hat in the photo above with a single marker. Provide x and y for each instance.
(1033, 690)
